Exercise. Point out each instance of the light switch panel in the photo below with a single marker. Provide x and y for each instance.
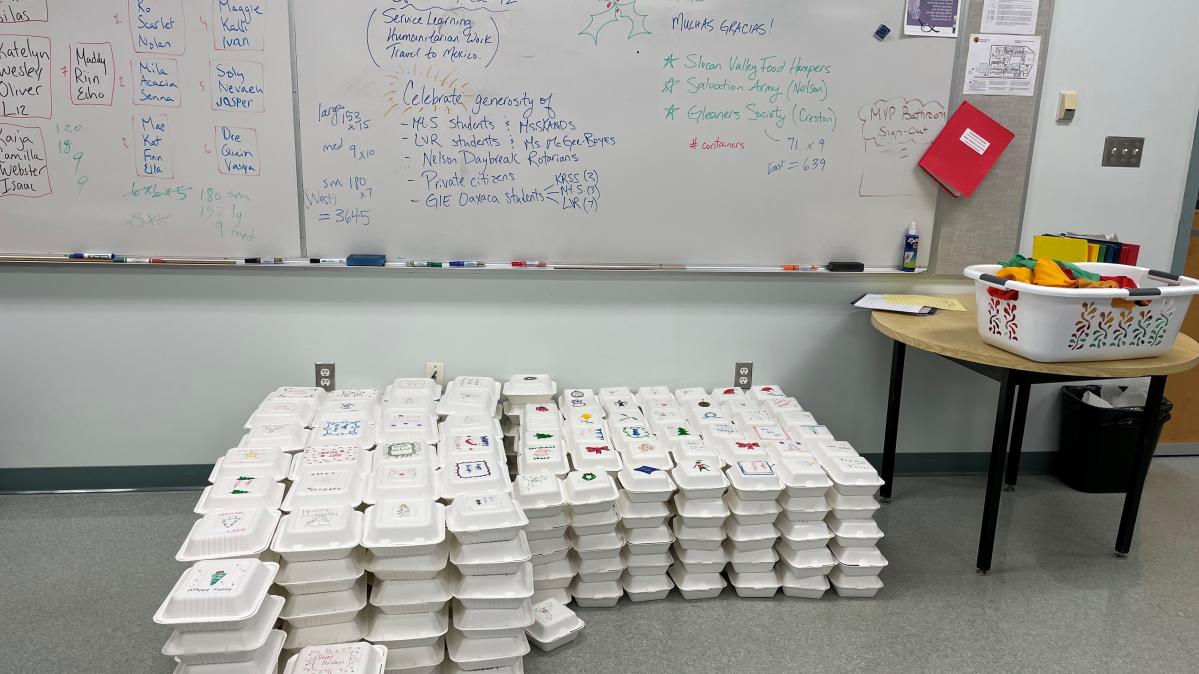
(1123, 151)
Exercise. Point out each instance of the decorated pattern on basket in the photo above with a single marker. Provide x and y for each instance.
(1001, 319)
(1121, 326)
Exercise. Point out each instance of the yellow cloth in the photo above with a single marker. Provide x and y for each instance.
(1050, 274)
(1021, 274)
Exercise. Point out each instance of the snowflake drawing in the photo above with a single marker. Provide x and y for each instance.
(619, 13)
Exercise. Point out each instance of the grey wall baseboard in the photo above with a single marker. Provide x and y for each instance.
(99, 478)
(1178, 449)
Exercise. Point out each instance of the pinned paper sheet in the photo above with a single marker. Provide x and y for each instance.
(946, 303)
(1002, 65)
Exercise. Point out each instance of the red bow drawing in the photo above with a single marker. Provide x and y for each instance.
(597, 450)
(748, 445)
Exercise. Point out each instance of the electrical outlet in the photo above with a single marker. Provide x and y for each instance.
(1123, 151)
(326, 376)
(743, 376)
(436, 372)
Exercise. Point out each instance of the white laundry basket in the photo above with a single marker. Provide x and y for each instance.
(1058, 325)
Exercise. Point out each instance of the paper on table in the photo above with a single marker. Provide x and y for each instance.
(878, 303)
(1002, 65)
(1011, 17)
(946, 303)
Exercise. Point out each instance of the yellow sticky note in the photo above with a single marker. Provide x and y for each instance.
(948, 304)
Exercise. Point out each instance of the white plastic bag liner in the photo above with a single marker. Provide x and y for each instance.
(416, 660)
(331, 575)
(647, 564)
(647, 541)
(281, 412)
(471, 477)
(400, 426)
(347, 429)
(811, 587)
(597, 546)
(540, 494)
(303, 637)
(316, 488)
(592, 523)
(851, 507)
(226, 534)
(399, 597)
(598, 570)
(218, 647)
(271, 464)
(401, 481)
(265, 659)
(756, 585)
(507, 591)
(485, 518)
(855, 533)
(400, 528)
(596, 595)
(802, 475)
(697, 585)
(553, 576)
(409, 567)
(409, 630)
(858, 561)
(240, 493)
(852, 475)
(752, 536)
(331, 458)
(647, 588)
(221, 594)
(496, 558)
(553, 625)
(477, 654)
(326, 608)
(806, 563)
(404, 453)
(492, 623)
(700, 479)
(542, 455)
(755, 480)
(803, 535)
(521, 389)
(290, 437)
(639, 515)
(318, 533)
(701, 561)
(590, 491)
(698, 513)
(645, 484)
(697, 538)
(854, 586)
(340, 658)
(751, 561)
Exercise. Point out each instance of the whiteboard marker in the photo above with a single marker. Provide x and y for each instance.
(123, 259)
(329, 260)
(524, 264)
(91, 256)
(467, 264)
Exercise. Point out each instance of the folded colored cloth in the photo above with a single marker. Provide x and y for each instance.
(1075, 270)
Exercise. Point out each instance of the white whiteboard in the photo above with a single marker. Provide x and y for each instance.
(719, 132)
(147, 127)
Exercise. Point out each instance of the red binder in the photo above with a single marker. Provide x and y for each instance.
(966, 150)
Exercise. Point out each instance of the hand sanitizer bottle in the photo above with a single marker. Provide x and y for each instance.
(911, 248)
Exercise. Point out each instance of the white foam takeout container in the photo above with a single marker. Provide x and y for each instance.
(596, 595)
(751, 512)
(858, 561)
(553, 625)
(289, 436)
(542, 454)
(336, 487)
(471, 477)
(600, 570)
(331, 458)
(561, 595)
(852, 475)
(595, 457)
(804, 508)
(541, 528)
(404, 426)
(409, 567)
(646, 588)
(399, 597)
(641, 515)
(417, 659)
(646, 451)
(554, 575)
(406, 527)
(811, 587)
(326, 608)
(523, 389)
(751, 561)
(646, 484)
(598, 546)
(479, 654)
(318, 533)
(359, 658)
(647, 565)
(701, 561)
(738, 448)
(485, 518)
(302, 637)
(590, 491)
(492, 623)
(400, 453)
(698, 513)
(647, 541)
(548, 550)
(540, 494)
(225, 534)
(408, 630)
(217, 595)
(755, 585)
(697, 585)
(697, 538)
(227, 646)
(854, 586)
(270, 463)
(755, 480)
(239, 493)
(495, 558)
(470, 444)
(594, 523)
(400, 481)
(507, 591)
(457, 400)
(417, 387)
(802, 475)
(749, 537)
(803, 535)
(264, 659)
(855, 533)
(330, 575)
(806, 563)
(851, 507)
(343, 429)
(700, 479)
(281, 412)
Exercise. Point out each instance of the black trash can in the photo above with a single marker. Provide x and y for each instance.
(1097, 447)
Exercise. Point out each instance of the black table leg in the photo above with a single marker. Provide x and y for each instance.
(1003, 420)
(898, 351)
(1140, 466)
(1017, 443)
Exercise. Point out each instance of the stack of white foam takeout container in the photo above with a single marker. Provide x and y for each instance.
(596, 543)
(850, 520)
(223, 617)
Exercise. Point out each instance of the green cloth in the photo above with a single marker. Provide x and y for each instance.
(1021, 261)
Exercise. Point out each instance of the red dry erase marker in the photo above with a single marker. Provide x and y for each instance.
(528, 263)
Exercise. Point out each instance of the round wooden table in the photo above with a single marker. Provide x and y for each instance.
(954, 335)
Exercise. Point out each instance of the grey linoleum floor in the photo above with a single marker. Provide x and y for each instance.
(83, 574)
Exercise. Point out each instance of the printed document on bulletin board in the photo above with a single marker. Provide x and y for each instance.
(932, 18)
(1002, 65)
(1012, 17)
